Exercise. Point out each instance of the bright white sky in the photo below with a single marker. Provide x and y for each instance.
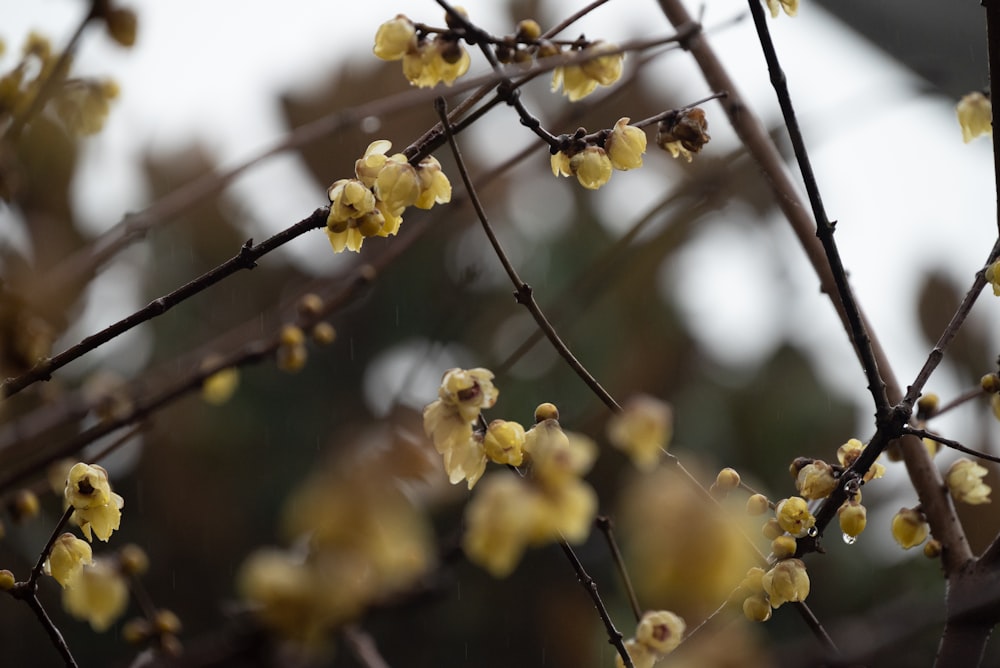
(908, 193)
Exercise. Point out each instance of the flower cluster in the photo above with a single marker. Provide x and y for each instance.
(975, 116)
(372, 204)
(642, 430)
(763, 590)
(510, 513)
(357, 538)
(658, 633)
(603, 65)
(620, 148)
(427, 61)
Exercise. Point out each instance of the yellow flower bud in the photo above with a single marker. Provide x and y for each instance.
(756, 608)
(137, 631)
(371, 163)
(727, 479)
(815, 480)
(324, 334)
(853, 518)
(909, 528)
(546, 411)
(771, 529)
(133, 560)
(591, 166)
(397, 184)
(7, 580)
(625, 145)
(932, 548)
(757, 504)
(292, 358)
(783, 547)
(122, 26)
(927, 405)
(793, 516)
(395, 38)
(975, 116)
(218, 388)
(23, 506)
(528, 30)
(504, 442)
(991, 381)
(292, 335)
(965, 482)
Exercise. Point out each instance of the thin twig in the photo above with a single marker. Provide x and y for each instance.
(522, 291)
(52, 630)
(588, 583)
(954, 445)
(603, 523)
(36, 571)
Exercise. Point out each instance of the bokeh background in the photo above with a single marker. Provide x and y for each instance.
(681, 281)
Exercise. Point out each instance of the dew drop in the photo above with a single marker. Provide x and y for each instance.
(849, 539)
(813, 532)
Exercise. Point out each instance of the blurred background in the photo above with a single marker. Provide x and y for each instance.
(677, 280)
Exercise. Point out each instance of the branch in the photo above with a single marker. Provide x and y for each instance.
(954, 445)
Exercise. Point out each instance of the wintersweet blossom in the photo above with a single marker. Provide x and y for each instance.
(786, 582)
(642, 430)
(592, 167)
(815, 480)
(395, 38)
(95, 507)
(435, 61)
(504, 442)
(661, 631)
(975, 116)
(683, 133)
(965, 482)
(790, 7)
(579, 81)
(625, 145)
(909, 528)
(794, 517)
(67, 558)
(993, 276)
(98, 595)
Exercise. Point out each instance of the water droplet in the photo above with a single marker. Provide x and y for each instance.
(813, 532)
(849, 539)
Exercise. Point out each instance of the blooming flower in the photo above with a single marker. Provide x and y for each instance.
(625, 145)
(791, 7)
(793, 516)
(98, 595)
(848, 453)
(395, 38)
(661, 631)
(397, 184)
(557, 457)
(642, 430)
(909, 528)
(67, 558)
(504, 442)
(448, 421)
(786, 581)
(975, 116)
(591, 166)
(815, 480)
(993, 276)
(965, 482)
(95, 506)
(579, 81)
(435, 188)
(435, 61)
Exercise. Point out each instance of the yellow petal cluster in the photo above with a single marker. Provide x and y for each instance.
(965, 482)
(395, 38)
(426, 62)
(504, 442)
(790, 7)
(658, 633)
(372, 204)
(642, 430)
(975, 116)
(510, 513)
(793, 516)
(848, 453)
(787, 581)
(579, 81)
(67, 558)
(909, 528)
(96, 507)
(463, 394)
(625, 145)
(815, 480)
(99, 595)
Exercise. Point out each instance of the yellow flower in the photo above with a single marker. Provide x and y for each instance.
(560, 164)
(965, 482)
(435, 188)
(504, 442)
(432, 62)
(975, 116)
(815, 480)
(397, 184)
(853, 518)
(499, 522)
(605, 70)
(909, 528)
(848, 453)
(395, 38)
(575, 82)
(98, 595)
(95, 506)
(371, 163)
(566, 511)
(625, 145)
(451, 433)
(794, 517)
(219, 388)
(993, 276)
(791, 7)
(757, 504)
(557, 457)
(756, 608)
(786, 581)
(661, 631)
(642, 430)
(591, 166)
(67, 558)
(469, 390)
(783, 547)
(349, 199)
